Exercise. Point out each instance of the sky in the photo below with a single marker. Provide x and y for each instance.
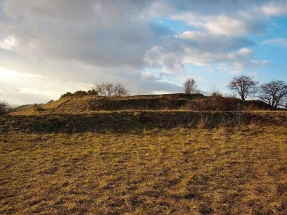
(48, 48)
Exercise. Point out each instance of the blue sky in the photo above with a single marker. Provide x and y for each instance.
(50, 47)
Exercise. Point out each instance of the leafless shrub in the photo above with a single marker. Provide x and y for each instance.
(120, 90)
(4, 108)
(189, 86)
(111, 89)
(216, 100)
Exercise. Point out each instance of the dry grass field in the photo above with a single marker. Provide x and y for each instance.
(179, 170)
(171, 154)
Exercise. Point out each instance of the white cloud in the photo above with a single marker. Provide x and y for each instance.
(245, 52)
(276, 8)
(147, 76)
(160, 92)
(221, 24)
(14, 85)
(235, 61)
(7, 73)
(203, 49)
(169, 57)
(213, 43)
(8, 43)
(191, 35)
(260, 62)
(276, 41)
(191, 19)
(225, 25)
(45, 93)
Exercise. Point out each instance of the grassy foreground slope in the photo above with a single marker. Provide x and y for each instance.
(110, 157)
(174, 171)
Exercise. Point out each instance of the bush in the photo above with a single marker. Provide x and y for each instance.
(37, 108)
(216, 101)
(4, 108)
(92, 92)
(79, 93)
(67, 94)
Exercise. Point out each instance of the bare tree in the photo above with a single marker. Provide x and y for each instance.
(274, 93)
(189, 86)
(243, 85)
(4, 108)
(120, 90)
(109, 89)
(104, 89)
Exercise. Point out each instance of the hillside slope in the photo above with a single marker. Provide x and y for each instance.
(88, 104)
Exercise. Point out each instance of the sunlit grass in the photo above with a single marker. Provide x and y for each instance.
(175, 171)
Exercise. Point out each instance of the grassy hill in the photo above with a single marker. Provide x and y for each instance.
(161, 154)
(88, 104)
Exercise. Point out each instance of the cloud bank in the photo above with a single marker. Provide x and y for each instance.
(97, 40)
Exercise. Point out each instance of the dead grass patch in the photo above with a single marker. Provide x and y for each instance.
(176, 171)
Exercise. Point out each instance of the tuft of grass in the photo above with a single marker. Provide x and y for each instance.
(154, 171)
